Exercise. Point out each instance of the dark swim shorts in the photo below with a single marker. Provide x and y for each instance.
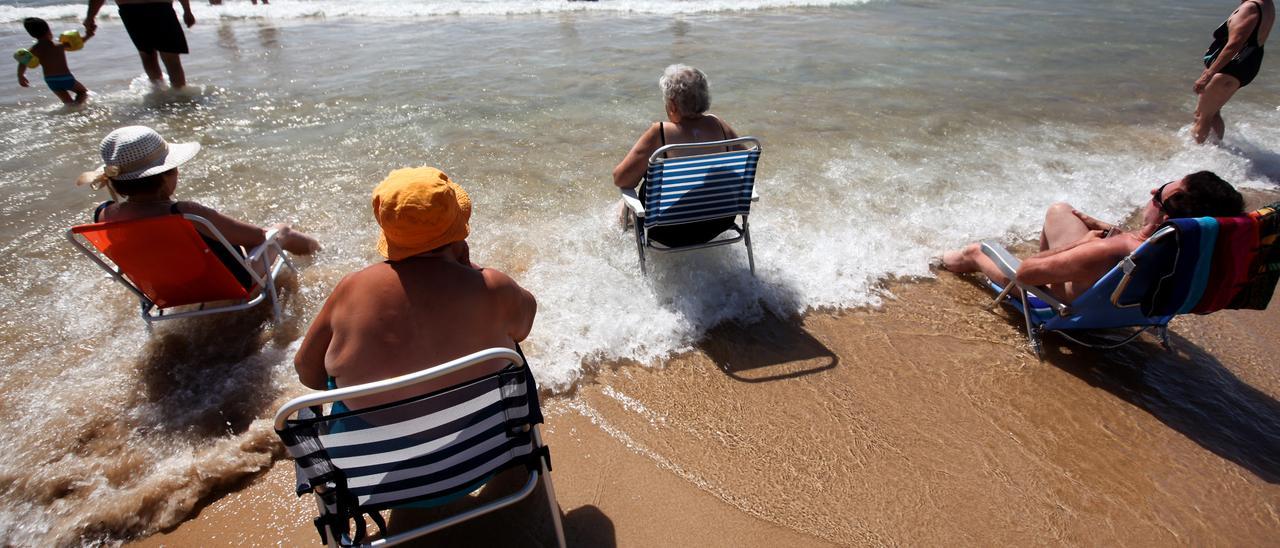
(154, 27)
(61, 82)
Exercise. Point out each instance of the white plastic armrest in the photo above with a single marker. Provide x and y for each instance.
(1008, 265)
(272, 239)
(630, 198)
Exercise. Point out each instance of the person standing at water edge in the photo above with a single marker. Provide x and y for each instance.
(1076, 250)
(153, 27)
(1231, 62)
(687, 97)
(425, 305)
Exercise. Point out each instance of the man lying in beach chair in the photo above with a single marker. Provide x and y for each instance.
(1085, 276)
(398, 435)
(419, 452)
(190, 270)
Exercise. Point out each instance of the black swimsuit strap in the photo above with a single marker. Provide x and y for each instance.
(662, 133)
(1257, 26)
(101, 207)
(724, 133)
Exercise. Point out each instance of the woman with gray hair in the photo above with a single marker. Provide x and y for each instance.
(688, 97)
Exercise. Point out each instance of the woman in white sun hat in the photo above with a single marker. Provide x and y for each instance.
(143, 169)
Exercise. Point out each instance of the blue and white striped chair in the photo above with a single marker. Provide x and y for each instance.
(423, 450)
(696, 188)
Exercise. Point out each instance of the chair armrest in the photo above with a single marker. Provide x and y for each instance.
(1008, 265)
(272, 239)
(1005, 261)
(632, 201)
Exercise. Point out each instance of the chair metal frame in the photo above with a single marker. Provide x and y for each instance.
(336, 538)
(636, 208)
(264, 285)
(1076, 318)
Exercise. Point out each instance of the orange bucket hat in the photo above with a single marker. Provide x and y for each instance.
(419, 209)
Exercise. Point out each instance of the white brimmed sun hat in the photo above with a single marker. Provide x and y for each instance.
(134, 152)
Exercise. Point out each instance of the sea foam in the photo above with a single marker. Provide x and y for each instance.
(873, 215)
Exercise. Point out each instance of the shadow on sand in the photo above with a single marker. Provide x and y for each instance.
(769, 350)
(1190, 391)
(749, 331)
(525, 523)
(1185, 387)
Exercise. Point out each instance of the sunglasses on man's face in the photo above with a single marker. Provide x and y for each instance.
(1155, 198)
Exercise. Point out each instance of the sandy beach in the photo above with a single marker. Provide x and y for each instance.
(848, 393)
(926, 422)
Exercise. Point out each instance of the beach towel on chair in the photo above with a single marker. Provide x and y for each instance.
(1185, 269)
(1232, 256)
(1264, 271)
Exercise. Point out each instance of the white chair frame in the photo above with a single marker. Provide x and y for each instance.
(265, 286)
(636, 209)
(542, 473)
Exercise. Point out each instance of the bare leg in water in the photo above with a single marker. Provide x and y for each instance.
(151, 65)
(173, 64)
(1209, 107)
(1062, 227)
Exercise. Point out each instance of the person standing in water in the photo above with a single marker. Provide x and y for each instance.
(53, 57)
(1231, 62)
(153, 27)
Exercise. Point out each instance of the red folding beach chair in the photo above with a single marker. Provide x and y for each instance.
(166, 262)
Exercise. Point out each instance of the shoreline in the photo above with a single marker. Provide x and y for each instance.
(879, 405)
(921, 422)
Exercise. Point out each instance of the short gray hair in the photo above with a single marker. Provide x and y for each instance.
(686, 88)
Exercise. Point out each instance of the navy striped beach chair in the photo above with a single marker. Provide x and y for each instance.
(696, 188)
(421, 451)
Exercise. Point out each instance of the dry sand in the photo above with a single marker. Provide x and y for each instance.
(926, 422)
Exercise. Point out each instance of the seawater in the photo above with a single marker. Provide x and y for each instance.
(892, 130)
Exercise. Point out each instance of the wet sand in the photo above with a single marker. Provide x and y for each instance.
(922, 423)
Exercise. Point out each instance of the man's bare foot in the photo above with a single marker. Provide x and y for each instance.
(959, 260)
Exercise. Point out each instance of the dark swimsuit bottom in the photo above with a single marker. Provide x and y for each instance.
(697, 232)
(154, 26)
(220, 251)
(61, 82)
(1246, 64)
